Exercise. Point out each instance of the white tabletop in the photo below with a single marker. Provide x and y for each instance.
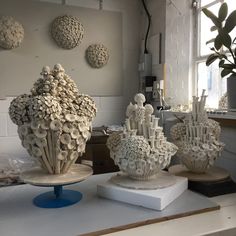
(215, 223)
(19, 217)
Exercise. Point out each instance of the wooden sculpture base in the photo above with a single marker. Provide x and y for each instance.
(40, 177)
(216, 181)
(213, 174)
(162, 180)
(59, 197)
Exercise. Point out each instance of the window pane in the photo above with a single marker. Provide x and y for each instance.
(206, 23)
(231, 7)
(205, 33)
(210, 80)
(205, 2)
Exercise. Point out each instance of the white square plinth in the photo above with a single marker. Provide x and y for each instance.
(154, 199)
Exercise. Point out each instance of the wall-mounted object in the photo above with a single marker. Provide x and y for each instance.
(97, 55)
(11, 32)
(67, 31)
(223, 102)
(39, 48)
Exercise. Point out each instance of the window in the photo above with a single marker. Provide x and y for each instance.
(209, 78)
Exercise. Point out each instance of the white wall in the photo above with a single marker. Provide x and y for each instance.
(178, 55)
(131, 39)
(173, 19)
(111, 110)
(157, 10)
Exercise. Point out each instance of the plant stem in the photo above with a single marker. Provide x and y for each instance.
(232, 55)
(224, 58)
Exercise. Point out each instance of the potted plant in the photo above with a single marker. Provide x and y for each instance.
(224, 24)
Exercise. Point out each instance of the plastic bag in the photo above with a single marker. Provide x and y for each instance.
(11, 167)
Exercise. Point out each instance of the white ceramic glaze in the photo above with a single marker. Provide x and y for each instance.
(54, 121)
(97, 55)
(67, 31)
(11, 32)
(197, 138)
(141, 150)
(223, 102)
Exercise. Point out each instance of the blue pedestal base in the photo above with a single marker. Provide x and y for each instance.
(57, 198)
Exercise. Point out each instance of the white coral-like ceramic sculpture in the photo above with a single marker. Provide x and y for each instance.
(54, 121)
(197, 138)
(223, 102)
(11, 32)
(97, 55)
(141, 150)
(67, 31)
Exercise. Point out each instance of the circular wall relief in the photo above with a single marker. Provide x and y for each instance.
(97, 55)
(11, 32)
(67, 31)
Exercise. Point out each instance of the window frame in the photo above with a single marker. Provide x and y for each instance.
(197, 41)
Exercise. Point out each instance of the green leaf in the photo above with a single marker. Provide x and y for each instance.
(230, 22)
(218, 44)
(222, 56)
(225, 72)
(213, 17)
(225, 38)
(223, 12)
(221, 62)
(211, 59)
(213, 28)
(228, 66)
(210, 41)
(234, 40)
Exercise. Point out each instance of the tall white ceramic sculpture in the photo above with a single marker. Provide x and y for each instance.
(141, 150)
(197, 138)
(54, 121)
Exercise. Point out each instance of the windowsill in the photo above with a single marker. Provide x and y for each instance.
(224, 118)
(226, 115)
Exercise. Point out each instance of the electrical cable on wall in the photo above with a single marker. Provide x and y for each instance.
(149, 24)
(100, 4)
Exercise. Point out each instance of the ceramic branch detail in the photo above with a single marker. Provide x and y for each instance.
(197, 138)
(67, 31)
(11, 32)
(97, 55)
(223, 102)
(54, 121)
(141, 150)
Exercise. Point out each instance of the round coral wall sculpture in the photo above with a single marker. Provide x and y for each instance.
(11, 32)
(67, 31)
(97, 55)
